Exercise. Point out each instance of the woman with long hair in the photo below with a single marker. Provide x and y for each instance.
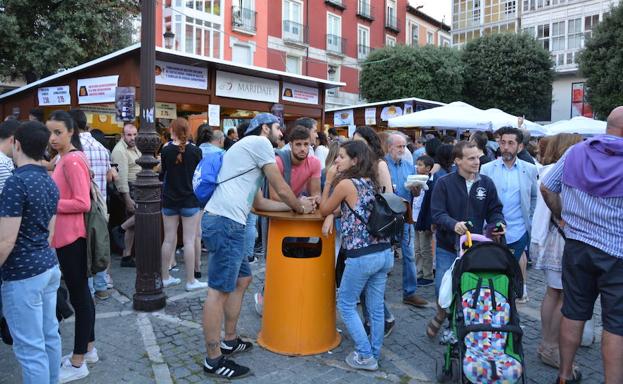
(546, 246)
(179, 160)
(369, 259)
(373, 140)
(73, 179)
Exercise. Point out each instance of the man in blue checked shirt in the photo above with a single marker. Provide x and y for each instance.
(584, 191)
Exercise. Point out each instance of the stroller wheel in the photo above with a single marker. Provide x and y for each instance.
(448, 376)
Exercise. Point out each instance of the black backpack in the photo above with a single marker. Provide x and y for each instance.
(387, 217)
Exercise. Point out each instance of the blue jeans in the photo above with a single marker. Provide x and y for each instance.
(250, 234)
(409, 270)
(225, 241)
(443, 261)
(30, 311)
(97, 282)
(367, 272)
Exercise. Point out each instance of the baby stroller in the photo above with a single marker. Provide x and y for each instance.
(483, 317)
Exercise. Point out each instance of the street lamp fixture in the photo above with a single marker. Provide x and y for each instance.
(169, 39)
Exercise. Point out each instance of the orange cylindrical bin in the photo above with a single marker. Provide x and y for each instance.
(299, 291)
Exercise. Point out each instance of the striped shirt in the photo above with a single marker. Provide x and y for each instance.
(98, 158)
(6, 169)
(597, 221)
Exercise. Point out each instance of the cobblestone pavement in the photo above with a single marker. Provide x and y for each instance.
(167, 346)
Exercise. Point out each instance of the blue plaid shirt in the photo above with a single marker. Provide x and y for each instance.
(399, 171)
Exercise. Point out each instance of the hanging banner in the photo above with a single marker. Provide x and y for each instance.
(54, 95)
(179, 75)
(214, 115)
(391, 111)
(246, 87)
(408, 108)
(343, 118)
(370, 116)
(299, 93)
(97, 89)
(125, 98)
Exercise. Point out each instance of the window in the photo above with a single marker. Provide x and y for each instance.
(530, 31)
(293, 21)
(390, 41)
(390, 13)
(363, 42)
(363, 8)
(574, 34)
(415, 34)
(543, 35)
(430, 38)
(242, 54)
(589, 23)
(293, 64)
(445, 42)
(558, 36)
(208, 6)
(510, 7)
(334, 33)
(197, 29)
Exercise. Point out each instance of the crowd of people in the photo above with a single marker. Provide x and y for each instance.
(558, 204)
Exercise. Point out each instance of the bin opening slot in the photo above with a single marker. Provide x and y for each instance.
(301, 247)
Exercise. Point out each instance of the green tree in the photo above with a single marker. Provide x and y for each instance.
(511, 72)
(39, 37)
(601, 62)
(427, 72)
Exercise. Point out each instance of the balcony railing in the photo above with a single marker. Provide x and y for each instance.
(365, 10)
(243, 19)
(363, 51)
(336, 3)
(336, 44)
(294, 32)
(391, 23)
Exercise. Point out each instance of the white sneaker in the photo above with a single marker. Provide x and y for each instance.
(171, 281)
(109, 282)
(90, 357)
(70, 373)
(196, 285)
(523, 300)
(259, 302)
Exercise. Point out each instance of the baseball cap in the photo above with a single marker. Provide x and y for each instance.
(258, 120)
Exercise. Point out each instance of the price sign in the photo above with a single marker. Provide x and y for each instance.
(54, 95)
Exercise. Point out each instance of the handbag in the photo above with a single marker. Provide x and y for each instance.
(445, 290)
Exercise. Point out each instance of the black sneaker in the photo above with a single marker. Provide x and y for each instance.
(389, 327)
(240, 346)
(226, 369)
(421, 282)
(197, 275)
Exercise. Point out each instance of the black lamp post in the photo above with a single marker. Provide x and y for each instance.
(149, 295)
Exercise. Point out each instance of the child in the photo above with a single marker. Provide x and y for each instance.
(423, 222)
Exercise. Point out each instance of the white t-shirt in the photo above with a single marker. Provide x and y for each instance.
(321, 153)
(233, 199)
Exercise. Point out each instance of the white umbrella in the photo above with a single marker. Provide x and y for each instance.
(501, 119)
(457, 115)
(579, 124)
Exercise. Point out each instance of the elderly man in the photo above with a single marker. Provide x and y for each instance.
(584, 191)
(399, 171)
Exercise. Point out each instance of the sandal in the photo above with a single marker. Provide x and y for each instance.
(432, 329)
(549, 356)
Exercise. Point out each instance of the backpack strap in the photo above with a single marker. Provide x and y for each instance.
(494, 305)
(476, 293)
(284, 155)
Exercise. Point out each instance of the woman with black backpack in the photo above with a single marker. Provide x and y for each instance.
(353, 177)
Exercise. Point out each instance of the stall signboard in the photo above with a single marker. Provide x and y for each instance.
(370, 116)
(299, 93)
(246, 87)
(54, 96)
(214, 115)
(97, 89)
(166, 111)
(391, 111)
(179, 75)
(343, 118)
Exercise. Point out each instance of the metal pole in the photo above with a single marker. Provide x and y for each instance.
(149, 295)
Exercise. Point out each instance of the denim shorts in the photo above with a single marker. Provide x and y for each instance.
(224, 239)
(518, 247)
(184, 212)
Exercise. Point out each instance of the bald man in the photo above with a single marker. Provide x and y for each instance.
(584, 191)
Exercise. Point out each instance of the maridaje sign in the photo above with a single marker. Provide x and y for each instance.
(246, 87)
(97, 89)
(180, 75)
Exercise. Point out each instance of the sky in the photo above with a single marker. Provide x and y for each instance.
(436, 8)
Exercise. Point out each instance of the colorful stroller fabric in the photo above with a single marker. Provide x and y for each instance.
(485, 360)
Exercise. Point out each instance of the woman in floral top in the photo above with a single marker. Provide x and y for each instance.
(369, 259)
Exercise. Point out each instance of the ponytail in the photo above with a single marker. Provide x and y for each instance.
(180, 128)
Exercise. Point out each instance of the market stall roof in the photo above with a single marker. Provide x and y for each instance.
(501, 119)
(579, 124)
(189, 59)
(456, 115)
(396, 101)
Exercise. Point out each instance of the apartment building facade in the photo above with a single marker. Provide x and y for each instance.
(560, 26)
(327, 39)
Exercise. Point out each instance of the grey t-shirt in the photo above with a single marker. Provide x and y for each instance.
(233, 199)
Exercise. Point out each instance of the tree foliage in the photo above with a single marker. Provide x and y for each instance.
(427, 72)
(601, 62)
(39, 37)
(510, 72)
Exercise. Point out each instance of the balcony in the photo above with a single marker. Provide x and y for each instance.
(336, 45)
(391, 23)
(243, 20)
(363, 51)
(336, 3)
(295, 33)
(365, 10)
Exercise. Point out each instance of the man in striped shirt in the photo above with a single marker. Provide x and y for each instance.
(584, 191)
(7, 129)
